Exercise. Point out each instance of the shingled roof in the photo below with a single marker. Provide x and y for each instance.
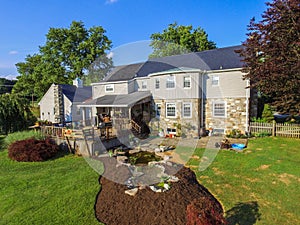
(75, 94)
(215, 59)
(125, 72)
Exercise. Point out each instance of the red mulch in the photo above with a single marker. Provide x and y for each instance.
(114, 207)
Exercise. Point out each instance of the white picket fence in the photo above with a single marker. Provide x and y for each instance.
(276, 129)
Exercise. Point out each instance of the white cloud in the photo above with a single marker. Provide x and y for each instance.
(13, 52)
(111, 1)
(110, 55)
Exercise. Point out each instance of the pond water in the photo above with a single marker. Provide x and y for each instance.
(142, 157)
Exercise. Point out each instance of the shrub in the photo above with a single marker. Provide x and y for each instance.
(267, 113)
(236, 133)
(204, 211)
(32, 150)
(262, 134)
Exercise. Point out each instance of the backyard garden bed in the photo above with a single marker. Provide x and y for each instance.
(114, 206)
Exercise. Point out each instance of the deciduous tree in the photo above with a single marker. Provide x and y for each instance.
(67, 54)
(179, 39)
(272, 55)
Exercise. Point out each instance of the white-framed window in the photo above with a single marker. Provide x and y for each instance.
(157, 83)
(187, 109)
(144, 84)
(219, 109)
(218, 131)
(109, 88)
(170, 110)
(215, 80)
(170, 83)
(187, 82)
(158, 109)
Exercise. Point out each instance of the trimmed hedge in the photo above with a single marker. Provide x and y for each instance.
(32, 150)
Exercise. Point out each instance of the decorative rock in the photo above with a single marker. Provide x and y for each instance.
(137, 174)
(173, 179)
(166, 158)
(153, 188)
(166, 186)
(132, 192)
(157, 150)
(163, 148)
(122, 159)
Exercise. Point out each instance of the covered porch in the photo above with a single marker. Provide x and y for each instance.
(112, 113)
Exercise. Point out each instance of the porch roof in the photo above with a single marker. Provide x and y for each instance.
(124, 100)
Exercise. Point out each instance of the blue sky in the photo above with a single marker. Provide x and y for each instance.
(24, 24)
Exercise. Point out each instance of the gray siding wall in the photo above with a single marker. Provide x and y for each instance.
(231, 85)
(143, 81)
(119, 88)
(179, 91)
(47, 105)
(131, 85)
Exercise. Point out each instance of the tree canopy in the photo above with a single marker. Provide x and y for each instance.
(68, 53)
(15, 114)
(272, 55)
(179, 39)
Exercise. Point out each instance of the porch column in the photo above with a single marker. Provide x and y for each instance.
(83, 116)
(129, 111)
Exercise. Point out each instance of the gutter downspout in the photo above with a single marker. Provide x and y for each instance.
(202, 104)
(247, 104)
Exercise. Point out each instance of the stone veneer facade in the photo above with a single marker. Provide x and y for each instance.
(187, 126)
(235, 118)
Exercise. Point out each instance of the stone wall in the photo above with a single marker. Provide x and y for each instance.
(235, 115)
(183, 126)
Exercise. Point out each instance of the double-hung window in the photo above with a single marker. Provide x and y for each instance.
(187, 109)
(157, 83)
(215, 80)
(170, 83)
(219, 109)
(187, 82)
(158, 109)
(144, 84)
(170, 109)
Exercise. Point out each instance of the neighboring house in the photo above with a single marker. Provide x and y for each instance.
(182, 94)
(60, 103)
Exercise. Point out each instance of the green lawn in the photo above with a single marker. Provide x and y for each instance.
(60, 191)
(258, 186)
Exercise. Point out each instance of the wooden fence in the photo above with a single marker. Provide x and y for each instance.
(276, 129)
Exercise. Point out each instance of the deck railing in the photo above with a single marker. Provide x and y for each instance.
(53, 131)
(135, 126)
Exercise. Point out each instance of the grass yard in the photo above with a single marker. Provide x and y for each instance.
(60, 191)
(258, 186)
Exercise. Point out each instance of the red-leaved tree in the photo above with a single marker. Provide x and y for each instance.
(272, 55)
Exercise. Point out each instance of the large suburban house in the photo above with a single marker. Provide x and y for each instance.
(183, 94)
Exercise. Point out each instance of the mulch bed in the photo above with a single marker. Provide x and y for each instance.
(114, 207)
